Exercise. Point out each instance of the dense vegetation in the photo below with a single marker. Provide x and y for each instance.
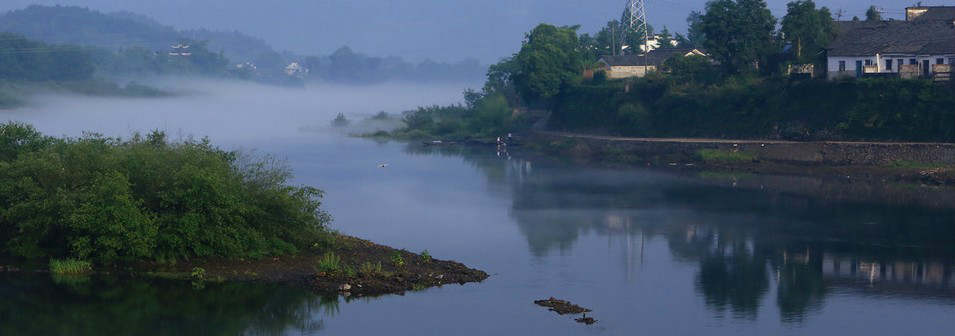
(106, 199)
(763, 109)
(23, 59)
(739, 92)
(126, 43)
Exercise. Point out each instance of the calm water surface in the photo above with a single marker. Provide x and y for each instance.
(651, 251)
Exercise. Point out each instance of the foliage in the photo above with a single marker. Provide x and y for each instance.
(763, 109)
(106, 199)
(372, 270)
(548, 60)
(490, 116)
(349, 67)
(198, 273)
(808, 30)
(426, 256)
(340, 120)
(330, 263)
(397, 259)
(739, 33)
(23, 59)
(725, 156)
(70, 266)
(692, 69)
(873, 14)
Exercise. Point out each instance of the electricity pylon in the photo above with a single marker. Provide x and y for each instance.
(634, 20)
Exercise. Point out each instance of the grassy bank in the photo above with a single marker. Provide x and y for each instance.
(14, 94)
(860, 110)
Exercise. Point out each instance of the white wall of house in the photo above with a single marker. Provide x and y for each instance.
(618, 72)
(833, 63)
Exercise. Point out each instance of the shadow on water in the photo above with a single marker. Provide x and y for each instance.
(44, 305)
(798, 238)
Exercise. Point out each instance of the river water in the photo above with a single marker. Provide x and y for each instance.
(652, 251)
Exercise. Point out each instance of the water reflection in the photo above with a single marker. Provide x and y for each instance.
(40, 305)
(802, 239)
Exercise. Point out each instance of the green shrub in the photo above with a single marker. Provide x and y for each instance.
(330, 263)
(426, 256)
(70, 266)
(397, 260)
(372, 270)
(198, 273)
(106, 199)
(725, 156)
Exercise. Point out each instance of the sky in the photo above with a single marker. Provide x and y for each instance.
(442, 30)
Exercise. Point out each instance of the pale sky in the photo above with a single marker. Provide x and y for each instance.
(443, 30)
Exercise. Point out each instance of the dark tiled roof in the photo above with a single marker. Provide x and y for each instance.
(936, 13)
(656, 57)
(893, 37)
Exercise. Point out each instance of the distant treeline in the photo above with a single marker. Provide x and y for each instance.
(126, 44)
(866, 109)
(23, 59)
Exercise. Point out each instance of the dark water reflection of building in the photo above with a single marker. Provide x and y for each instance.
(803, 238)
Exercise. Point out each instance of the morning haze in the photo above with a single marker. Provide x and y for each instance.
(439, 167)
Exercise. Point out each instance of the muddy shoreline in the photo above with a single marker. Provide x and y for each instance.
(301, 270)
(922, 163)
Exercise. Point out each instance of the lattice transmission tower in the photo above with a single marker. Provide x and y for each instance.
(635, 20)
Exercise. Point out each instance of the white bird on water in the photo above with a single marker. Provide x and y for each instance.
(383, 165)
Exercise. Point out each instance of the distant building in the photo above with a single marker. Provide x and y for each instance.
(625, 66)
(295, 70)
(921, 46)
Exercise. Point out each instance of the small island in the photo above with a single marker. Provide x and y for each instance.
(148, 206)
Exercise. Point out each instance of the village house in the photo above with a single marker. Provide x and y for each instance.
(921, 46)
(625, 66)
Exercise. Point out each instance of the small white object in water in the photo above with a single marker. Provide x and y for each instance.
(383, 165)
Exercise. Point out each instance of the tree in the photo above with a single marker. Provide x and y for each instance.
(738, 33)
(665, 39)
(873, 14)
(548, 60)
(807, 29)
(694, 33)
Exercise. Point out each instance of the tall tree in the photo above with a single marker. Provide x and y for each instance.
(807, 29)
(873, 14)
(694, 32)
(665, 39)
(738, 33)
(548, 60)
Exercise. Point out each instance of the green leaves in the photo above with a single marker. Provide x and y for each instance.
(110, 200)
(548, 60)
(738, 33)
(807, 29)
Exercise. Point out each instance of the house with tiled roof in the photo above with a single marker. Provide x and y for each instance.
(625, 66)
(920, 46)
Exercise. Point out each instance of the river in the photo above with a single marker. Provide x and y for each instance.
(652, 251)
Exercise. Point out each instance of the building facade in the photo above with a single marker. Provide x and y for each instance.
(919, 46)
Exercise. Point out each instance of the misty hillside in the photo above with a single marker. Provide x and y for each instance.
(82, 26)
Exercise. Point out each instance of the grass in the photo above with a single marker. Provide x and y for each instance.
(725, 156)
(70, 266)
(330, 263)
(916, 165)
(397, 260)
(426, 256)
(372, 270)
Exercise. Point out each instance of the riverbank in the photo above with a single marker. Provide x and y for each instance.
(932, 163)
(363, 268)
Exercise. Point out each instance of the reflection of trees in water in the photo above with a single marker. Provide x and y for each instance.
(35, 305)
(740, 239)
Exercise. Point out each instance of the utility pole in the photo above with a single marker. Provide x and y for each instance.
(839, 15)
(635, 17)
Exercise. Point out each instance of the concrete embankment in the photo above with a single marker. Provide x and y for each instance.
(826, 153)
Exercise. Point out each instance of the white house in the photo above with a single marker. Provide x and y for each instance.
(625, 66)
(917, 47)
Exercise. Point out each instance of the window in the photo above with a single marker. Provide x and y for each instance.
(888, 64)
(913, 61)
(951, 61)
(900, 62)
(842, 65)
(868, 62)
(939, 61)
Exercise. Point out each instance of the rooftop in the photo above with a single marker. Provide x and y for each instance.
(919, 37)
(655, 57)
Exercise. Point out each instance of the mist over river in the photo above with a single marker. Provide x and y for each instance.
(652, 251)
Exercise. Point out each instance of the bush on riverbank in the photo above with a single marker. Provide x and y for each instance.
(487, 117)
(106, 199)
(867, 109)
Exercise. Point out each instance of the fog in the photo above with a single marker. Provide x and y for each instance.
(443, 30)
(227, 111)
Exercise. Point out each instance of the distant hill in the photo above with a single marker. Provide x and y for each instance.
(82, 26)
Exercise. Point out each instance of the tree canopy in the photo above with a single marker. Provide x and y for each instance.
(738, 33)
(549, 59)
(807, 29)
